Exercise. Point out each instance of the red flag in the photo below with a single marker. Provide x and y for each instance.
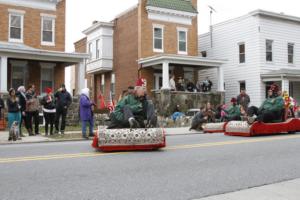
(102, 101)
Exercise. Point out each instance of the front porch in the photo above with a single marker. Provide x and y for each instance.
(23, 65)
(157, 70)
(287, 79)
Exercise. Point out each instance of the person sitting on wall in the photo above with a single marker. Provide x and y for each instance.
(133, 110)
(180, 85)
(206, 85)
(190, 86)
(172, 83)
(233, 113)
(206, 115)
(271, 110)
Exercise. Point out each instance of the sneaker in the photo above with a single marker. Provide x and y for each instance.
(85, 137)
(251, 120)
(133, 123)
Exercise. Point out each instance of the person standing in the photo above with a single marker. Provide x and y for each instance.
(21, 94)
(86, 113)
(32, 111)
(63, 101)
(49, 111)
(14, 114)
(172, 83)
(243, 99)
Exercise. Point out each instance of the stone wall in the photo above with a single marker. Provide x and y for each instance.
(166, 100)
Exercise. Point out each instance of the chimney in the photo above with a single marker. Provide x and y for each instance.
(95, 22)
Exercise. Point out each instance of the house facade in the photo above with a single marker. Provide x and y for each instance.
(32, 45)
(152, 40)
(261, 47)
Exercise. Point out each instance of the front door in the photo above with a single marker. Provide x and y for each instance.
(17, 77)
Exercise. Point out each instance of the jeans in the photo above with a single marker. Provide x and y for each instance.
(91, 127)
(60, 112)
(35, 117)
(12, 117)
(49, 120)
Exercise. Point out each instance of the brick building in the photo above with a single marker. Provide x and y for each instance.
(152, 40)
(32, 45)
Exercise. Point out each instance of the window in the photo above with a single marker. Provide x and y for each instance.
(112, 85)
(269, 50)
(16, 27)
(46, 78)
(242, 55)
(158, 38)
(102, 87)
(204, 54)
(48, 30)
(242, 85)
(290, 53)
(182, 40)
(97, 49)
(18, 76)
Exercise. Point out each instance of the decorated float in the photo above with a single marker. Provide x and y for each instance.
(110, 140)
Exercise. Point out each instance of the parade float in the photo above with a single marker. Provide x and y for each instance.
(109, 140)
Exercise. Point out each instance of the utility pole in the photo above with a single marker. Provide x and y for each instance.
(212, 10)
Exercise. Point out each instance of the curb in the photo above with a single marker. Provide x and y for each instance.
(82, 139)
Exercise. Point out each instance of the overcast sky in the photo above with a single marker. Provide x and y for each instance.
(81, 13)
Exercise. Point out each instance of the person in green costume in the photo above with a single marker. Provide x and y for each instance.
(271, 110)
(134, 111)
(233, 113)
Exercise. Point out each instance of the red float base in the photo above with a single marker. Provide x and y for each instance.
(114, 148)
(260, 128)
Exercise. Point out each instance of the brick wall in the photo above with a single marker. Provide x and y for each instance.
(170, 34)
(126, 51)
(32, 25)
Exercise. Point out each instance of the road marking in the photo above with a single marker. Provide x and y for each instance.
(177, 147)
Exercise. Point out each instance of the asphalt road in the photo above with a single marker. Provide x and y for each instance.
(191, 167)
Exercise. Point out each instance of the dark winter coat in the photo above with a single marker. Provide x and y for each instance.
(63, 99)
(49, 105)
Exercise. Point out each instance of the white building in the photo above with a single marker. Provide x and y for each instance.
(260, 48)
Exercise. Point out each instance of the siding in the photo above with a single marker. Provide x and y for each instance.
(226, 37)
(281, 32)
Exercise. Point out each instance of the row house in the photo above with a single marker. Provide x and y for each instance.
(32, 45)
(152, 40)
(260, 47)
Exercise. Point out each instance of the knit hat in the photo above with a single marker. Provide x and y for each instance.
(233, 100)
(141, 83)
(48, 90)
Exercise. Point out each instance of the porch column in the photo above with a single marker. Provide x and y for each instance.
(81, 77)
(3, 74)
(221, 79)
(166, 78)
(285, 85)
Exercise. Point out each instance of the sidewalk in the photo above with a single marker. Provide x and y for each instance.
(288, 190)
(76, 135)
